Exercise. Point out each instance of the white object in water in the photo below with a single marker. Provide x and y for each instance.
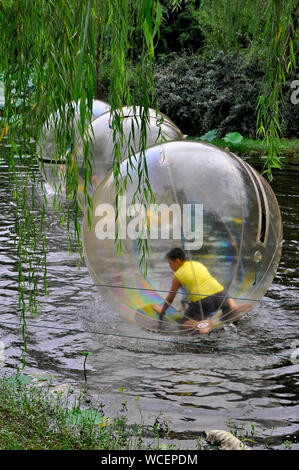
(225, 440)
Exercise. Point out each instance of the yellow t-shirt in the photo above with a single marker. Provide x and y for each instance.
(195, 277)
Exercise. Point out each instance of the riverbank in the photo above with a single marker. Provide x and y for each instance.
(33, 417)
(36, 416)
(257, 149)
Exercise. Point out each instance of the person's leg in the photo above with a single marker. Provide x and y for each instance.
(232, 312)
(195, 326)
(228, 308)
(197, 313)
(188, 322)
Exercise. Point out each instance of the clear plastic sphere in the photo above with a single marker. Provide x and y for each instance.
(102, 146)
(52, 173)
(232, 226)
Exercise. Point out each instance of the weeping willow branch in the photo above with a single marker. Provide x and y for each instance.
(270, 34)
(131, 23)
(48, 57)
(280, 61)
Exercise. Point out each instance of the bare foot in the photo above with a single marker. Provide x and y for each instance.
(194, 326)
(204, 327)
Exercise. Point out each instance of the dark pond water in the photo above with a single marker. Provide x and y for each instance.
(237, 380)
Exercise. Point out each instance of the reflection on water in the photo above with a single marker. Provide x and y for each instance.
(217, 381)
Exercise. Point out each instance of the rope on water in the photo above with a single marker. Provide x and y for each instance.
(111, 286)
(287, 301)
(188, 343)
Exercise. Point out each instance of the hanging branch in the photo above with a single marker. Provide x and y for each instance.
(53, 46)
(280, 61)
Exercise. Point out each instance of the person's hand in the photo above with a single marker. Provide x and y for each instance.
(157, 308)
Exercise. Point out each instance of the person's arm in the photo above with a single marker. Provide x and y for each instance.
(169, 299)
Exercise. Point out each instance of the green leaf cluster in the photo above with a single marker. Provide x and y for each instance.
(51, 55)
(218, 90)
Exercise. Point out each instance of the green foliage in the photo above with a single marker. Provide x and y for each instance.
(272, 34)
(87, 417)
(217, 90)
(202, 93)
(32, 418)
(279, 33)
(52, 70)
(59, 47)
(38, 417)
(287, 445)
(229, 24)
(18, 380)
(234, 138)
(180, 30)
(209, 136)
(256, 149)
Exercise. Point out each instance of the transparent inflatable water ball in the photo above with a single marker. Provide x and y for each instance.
(208, 202)
(159, 128)
(52, 173)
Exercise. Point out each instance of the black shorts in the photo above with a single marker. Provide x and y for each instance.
(207, 306)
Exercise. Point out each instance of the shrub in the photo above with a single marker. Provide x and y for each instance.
(215, 91)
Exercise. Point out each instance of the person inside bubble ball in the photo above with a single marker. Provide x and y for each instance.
(195, 278)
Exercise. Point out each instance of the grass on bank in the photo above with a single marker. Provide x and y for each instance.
(255, 148)
(33, 419)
